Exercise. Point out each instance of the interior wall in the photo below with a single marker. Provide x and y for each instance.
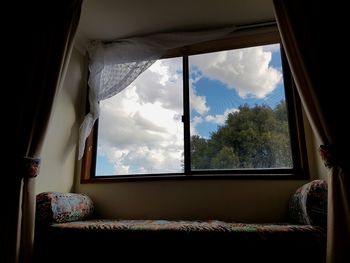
(316, 166)
(59, 150)
(321, 170)
(229, 200)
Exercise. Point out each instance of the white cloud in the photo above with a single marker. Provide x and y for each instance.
(140, 129)
(220, 118)
(245, 70)
(164, 84)
(271, 48)
(198, 103)
(161, 84)
(114, 156)
(194, 122)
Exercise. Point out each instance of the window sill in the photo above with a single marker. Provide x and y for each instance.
(196, 176)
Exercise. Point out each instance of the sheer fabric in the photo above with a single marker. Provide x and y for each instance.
(114, 66)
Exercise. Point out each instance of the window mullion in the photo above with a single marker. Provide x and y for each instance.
(186, 117)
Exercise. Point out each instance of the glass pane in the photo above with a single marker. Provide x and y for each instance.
(238, 110)
(140, 129)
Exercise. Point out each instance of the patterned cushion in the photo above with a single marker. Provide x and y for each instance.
(56, 207)
(309, 204)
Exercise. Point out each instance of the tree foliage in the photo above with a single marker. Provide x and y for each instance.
(252, 137)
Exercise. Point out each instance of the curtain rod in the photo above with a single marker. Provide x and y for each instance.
(241, 27)
(256, 25)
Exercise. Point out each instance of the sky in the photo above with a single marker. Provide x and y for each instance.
(140, 129)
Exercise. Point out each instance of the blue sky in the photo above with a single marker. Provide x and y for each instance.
(219, 97)
(140, 129)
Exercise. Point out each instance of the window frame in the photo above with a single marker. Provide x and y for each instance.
(295, 119)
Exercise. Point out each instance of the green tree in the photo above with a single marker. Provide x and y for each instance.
(252, 137)
(226, 158)
(199, 157)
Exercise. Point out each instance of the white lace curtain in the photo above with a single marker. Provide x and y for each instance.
(113, 66)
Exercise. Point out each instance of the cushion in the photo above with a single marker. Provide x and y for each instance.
(56, 207)
(308, 205)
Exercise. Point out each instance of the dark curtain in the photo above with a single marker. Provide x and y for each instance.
(41, 50)
(306, 30)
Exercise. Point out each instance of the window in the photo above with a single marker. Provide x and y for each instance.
(140, 130)
(228, 112)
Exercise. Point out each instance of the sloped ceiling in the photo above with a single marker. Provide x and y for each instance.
(112, 19)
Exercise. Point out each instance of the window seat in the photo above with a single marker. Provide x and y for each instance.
(72, 239)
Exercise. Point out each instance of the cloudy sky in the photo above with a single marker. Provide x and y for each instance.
(140, 129)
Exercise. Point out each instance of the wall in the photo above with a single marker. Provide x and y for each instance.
(230, 200)
(316, 165)
(320, 168)
(322, 171)
(59, 149)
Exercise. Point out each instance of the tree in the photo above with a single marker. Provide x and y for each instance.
(226, 158)
(199, 147)
(252, 137)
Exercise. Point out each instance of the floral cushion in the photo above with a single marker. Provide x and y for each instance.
(56, 207)
(308, 205)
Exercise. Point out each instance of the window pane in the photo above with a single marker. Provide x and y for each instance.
(238, 110)
(140, 129)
